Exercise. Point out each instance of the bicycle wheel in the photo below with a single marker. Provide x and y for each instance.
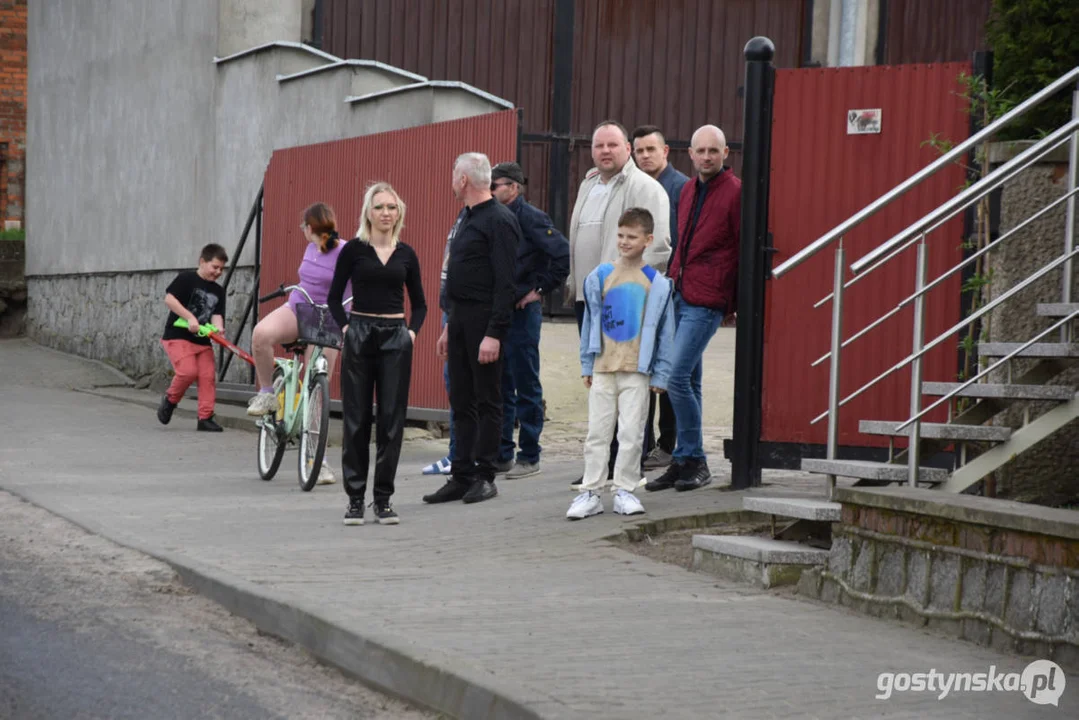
(314, 431)
(271, 447)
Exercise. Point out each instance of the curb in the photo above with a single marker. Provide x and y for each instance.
(233, 423)
(423, 677)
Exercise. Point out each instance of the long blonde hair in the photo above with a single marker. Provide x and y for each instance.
(364, 233)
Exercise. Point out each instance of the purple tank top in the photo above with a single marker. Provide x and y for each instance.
(316, 274)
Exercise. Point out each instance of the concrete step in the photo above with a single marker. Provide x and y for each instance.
(761, 561)
(868, 470)
(1057, 310)
(1001, 391)
(938, 431)
(800, 508)
(1037, 350)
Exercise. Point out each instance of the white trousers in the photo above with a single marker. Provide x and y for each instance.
(621, 397)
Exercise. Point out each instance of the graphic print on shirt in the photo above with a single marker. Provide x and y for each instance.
(202, 305)
(625, 294)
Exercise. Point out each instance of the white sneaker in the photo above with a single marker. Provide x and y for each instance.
(263, 404)
(585, 505)
(626, 503)
(325, 475)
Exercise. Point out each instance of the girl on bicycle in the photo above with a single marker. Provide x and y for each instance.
(378, 346)
(319, 227)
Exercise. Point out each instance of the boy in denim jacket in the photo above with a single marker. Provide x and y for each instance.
(626, 340)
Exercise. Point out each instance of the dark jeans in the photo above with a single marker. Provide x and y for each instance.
(475, 395)
(668, 429)
(522, 394)
(377, 362)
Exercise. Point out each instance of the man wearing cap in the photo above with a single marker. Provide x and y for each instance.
(542, 265)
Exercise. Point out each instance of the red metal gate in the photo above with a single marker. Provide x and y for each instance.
(418, 163)
(820, 176)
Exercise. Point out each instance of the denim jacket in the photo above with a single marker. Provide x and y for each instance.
(657, 331)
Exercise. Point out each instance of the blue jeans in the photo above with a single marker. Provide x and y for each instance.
(522, 394)
(446, 380)
(695, 328)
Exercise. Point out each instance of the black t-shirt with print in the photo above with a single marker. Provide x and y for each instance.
(203, 298)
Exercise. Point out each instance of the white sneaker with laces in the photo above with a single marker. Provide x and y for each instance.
(263, 404)
(626, 503)
(325, 475)
(585, 505)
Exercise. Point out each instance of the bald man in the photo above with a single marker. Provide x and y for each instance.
(704, 269)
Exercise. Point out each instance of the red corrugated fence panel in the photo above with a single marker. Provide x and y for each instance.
(418, 162)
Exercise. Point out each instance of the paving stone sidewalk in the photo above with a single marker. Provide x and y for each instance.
(506, 592)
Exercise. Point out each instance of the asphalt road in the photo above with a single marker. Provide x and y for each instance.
(89, 629)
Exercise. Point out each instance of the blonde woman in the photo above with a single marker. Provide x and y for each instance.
(378, 346)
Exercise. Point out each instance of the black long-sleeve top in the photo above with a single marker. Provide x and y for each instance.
(377, 289)
(482, 263)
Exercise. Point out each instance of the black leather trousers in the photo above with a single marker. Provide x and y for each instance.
(377, 362)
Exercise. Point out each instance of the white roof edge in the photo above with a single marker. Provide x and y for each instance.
(355, 63)
(280, 43)
(453, 84)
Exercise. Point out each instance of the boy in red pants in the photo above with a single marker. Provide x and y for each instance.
(196, 297)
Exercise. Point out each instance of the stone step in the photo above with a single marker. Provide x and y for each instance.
(869, 470)
(800, 508)
(938, 431)
(1057, 310)
(1037, 350)
(761, 550)
(1001, 391)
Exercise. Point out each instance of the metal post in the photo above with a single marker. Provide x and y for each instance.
(833, 367)
(753, 264)
(916, 368)
(1069, 223)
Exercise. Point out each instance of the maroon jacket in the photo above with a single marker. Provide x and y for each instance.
(704, 265)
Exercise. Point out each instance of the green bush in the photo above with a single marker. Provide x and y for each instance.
(12, 235)
(1034, 42)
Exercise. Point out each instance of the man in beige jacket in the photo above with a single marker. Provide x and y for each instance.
(613, 186)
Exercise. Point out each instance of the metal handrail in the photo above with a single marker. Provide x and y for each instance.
(966, 204)
(991, 246)
(973, 193)
(869, 210)
(989, 369)
(1030, 279)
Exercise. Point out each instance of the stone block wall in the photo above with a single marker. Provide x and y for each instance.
(118, 318)
(994, 572)
(1047, 474)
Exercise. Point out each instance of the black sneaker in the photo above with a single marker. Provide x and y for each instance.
(667, 480)
(354, 515)
(696, 476)
(449, 492)
(385, 513)
(208, 425)
(164, 410)
(481, 490)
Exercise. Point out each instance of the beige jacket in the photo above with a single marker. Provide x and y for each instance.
(630, 188)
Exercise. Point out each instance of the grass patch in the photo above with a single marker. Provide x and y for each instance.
(18, 235)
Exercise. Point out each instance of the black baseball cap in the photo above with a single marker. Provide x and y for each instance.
(509, 170)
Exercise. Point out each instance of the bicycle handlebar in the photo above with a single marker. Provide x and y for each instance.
(284, 290)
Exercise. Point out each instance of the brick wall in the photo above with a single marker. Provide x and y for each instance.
(12, 110)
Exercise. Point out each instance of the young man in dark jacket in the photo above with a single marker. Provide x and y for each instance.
(542, 265)
(704, 269)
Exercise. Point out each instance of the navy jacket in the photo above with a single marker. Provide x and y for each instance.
(672, 181)
(543, 257)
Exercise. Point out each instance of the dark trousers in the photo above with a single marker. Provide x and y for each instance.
(522, 393)
(668, 430)
(377, 362)
(475, 395)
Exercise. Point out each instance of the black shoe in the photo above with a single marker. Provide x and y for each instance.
(385, 513)
(481, 490)
(208, 425)
(503, 466)
(576, 484)
(449, 492)
(696, 475)
(164, 410)
(667, 480)
(354, 515)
